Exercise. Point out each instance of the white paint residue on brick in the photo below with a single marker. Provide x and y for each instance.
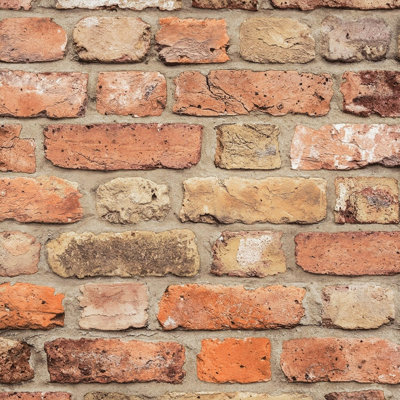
(251, 249)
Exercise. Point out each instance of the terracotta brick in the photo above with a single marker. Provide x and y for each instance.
(16, 155)
(209, 307)
(362, 395)
(27, 306)
(123, 146)
(357, 307)
(232, 4)
(112, 39)
(113, 306)
(113, 4)
(359, 4)
(45, 199)
(19, 253)
(135, 93)
(341, 360)
(229, 396)
(371, 92)
(16, 4)
(124, 254)
(275, 200)
(234, 360)
(31, 40)
(49, 94)
(239, 92)
(14, 361)
(248, 254)
(192, 41)
(34, 396)
(364, 200)
(349, 253)
(345, 146)
(111, 360)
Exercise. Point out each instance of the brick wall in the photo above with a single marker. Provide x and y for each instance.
(199, 201)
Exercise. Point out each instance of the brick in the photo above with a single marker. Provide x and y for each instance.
(16, 4)
(355, 40)
(234, 360)
(248, 254)
(34, 396)
(124, 254)
(27, 306)
(216, 307)
(135, 93)
(113, 306)
(371, 92)
(16, 155)
(123, 146)
(276, 40)
(357, 307)
(112, 39)
(229, 396)
(341, 360)
(49, 94)
(349, 253)
(14, 361)
(239, 92)
(113, 4)
(366, 200)
(359, 4)
(249, 146)
(362, 395)
(31, 40)
(230, 4)
(109, 396)
(192, 41)
(130, 200)
(345, 146)
(19, 253)
(275, 200)
(111, 360)
(46, 199)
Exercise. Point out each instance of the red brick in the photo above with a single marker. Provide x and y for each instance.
(16, 155)
(16, 4)
(43, 199)
(135, 93)
(341, 360)
(111, 360)
(349, 253)
(49, 94)
(31, 40)
(363, 395)
(360, 4)
(209, 307)
(239, 92)
(232, 4)
(34, 396)
(123, 146)
(114, 4)
(234, 360)
(27, 306)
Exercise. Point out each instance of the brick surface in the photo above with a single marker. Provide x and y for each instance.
(111, 360)
(232, 4)
(16, 4)
(212, 307)
(362, 395)
(360, 4)
(35, 396)
(113, 4)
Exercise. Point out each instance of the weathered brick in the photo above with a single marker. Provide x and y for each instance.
(27, 306)
(19, 253)
(248, 254)
(232, 4)
(249, 146)
(275, 200)
(371, 92)
(45, 199)
(31, 40)
(14, 361)
(112, 39)
(16, 4)
(276, 40)
(124, 254)
(49, 94)
(341, 360)
(354, 40)
(229, 396)
(16, 155)
(362, 395)
(123, 146)
(234, 360)
(349, 253)
(113, 306)
(135, 93)
(363, 200)
(360, 4)
(34, 396)
(130, 200)
(345, 146)
(129, 4)
(216, 307)
(357, 307)
(111, 360)
(239, 92)
(192, 41)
